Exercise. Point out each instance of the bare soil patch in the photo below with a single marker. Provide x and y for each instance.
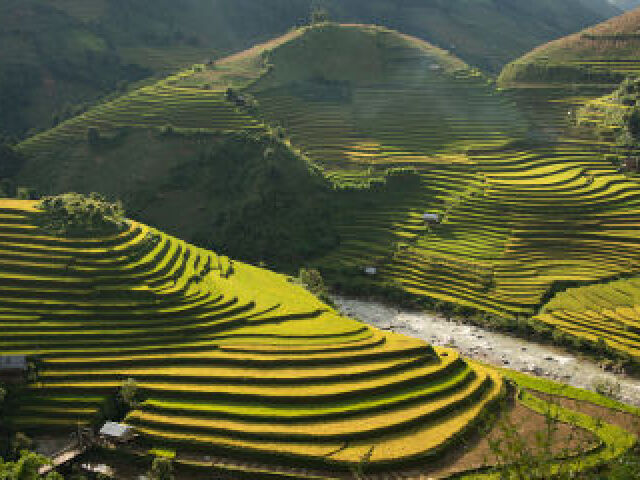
(475, 452)
(625, 420)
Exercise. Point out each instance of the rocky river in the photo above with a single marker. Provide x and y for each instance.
(491, 347)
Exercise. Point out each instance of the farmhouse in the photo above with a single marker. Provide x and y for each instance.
(431, 218)
(117, 432)
(13, 364)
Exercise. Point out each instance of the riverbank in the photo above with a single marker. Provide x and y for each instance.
(492, 348)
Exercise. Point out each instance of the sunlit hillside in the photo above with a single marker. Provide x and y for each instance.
(603, 54)
(221, 351)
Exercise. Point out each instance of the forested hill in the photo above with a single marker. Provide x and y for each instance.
(58, 55)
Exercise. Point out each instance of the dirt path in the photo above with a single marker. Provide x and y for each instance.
(491, 347)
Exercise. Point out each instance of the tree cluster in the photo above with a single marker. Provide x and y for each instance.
(77, 215)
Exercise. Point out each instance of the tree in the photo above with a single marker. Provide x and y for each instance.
(129, 392)
(313, 281)
(10, 161)
(319, 15)
(93, 136)
(19, 443)
(26, 468)
(76, 215)
(161, 469)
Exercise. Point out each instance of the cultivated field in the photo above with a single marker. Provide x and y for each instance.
(221, 351)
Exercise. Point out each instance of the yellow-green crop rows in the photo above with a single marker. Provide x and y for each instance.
(229, 358)
(608, 312)
(160, 105)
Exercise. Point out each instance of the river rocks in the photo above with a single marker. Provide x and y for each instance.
(491, 347)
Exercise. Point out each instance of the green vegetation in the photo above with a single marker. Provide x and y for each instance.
(615, 117)
(271, 203)
(161, 469)
(605, 314)
(26, 468)
(75, 215)
(332, 161)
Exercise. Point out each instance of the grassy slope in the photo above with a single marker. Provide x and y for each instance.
(221, 351)
(221, 361)
(78, 50)
(605, 53)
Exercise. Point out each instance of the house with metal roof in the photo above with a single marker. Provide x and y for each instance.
(431, 218)
(13, 364)
(118, 432)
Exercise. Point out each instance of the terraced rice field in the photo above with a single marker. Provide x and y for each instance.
(230, 359)
(419, 115)
(160, 105)
(607, 312)
(526, 208)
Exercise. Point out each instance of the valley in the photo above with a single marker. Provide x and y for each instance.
(349, 251)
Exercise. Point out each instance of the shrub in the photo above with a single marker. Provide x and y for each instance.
(93, 136)
(313, 281)
(319, 15)
(10, 161)
(161, 469)
(76, 215)
(129, 392)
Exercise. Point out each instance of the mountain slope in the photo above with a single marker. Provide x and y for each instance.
(70, 52)
(603, 54)
(221, 351)
(329, 145)
(626, 4)
(339, 93)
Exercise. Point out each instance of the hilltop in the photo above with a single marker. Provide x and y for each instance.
(59, 57)
(603, 54)
(219, 352)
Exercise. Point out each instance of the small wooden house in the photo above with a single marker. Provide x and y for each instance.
(116, 432)
(431, 218)
(13, 365)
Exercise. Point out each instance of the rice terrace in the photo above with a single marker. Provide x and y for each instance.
(319, 240)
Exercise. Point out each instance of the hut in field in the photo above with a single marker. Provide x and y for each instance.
(13, 367)
(431, 218)
(371, 270)
(116, 432)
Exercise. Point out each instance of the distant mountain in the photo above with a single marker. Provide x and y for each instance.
(58, 55)
(625, 4)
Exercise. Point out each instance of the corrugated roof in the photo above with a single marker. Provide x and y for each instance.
(116, 430)
(13, 362)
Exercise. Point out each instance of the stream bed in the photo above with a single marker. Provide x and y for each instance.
(490, 347)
